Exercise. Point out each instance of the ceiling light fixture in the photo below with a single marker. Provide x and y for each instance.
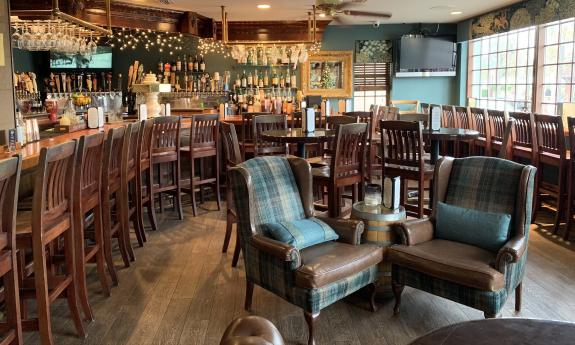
(456, 13)
(264, 7)
(322, 15)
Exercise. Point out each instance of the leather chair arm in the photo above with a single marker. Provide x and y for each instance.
(416, 231)
(349, 230)
(277, 249)
(511, 252)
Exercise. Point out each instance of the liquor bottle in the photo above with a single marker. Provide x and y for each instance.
(288, 78)
(293, 81)
(185, 63)
(179, 64)
(261, 81)
(202, 64)
(282, 81)
(196, 64)
(160, 66)
(190, 64)
(244, 80)
(250, 57)
(266, 79)
(275, 79)
(174, 67)
(250, 80)
(238, 83)
(256, 78)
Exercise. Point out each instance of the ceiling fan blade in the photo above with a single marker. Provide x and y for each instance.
(347, 4)
(339, 21)
(367, 14)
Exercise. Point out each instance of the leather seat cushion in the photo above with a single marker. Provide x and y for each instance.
(456, 262)
(329, 262)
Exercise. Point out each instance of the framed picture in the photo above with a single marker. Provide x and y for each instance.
(328, 74)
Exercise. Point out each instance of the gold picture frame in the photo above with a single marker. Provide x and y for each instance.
(328, 74)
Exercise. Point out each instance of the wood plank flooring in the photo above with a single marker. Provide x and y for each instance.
(182, 290)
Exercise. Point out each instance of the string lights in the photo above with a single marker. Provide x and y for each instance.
(210, 46)
(131, 39)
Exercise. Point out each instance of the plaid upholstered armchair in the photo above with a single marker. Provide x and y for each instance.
(481, 278)
(276, 189)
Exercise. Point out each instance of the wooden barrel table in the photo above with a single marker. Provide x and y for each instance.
(377, 231)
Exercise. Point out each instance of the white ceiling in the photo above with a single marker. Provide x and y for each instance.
(403, 11)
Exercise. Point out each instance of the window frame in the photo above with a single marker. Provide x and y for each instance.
(376, 88)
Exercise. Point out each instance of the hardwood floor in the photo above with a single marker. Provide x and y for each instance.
(182, 290)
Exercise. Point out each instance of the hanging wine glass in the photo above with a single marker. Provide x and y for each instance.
(92, 46)
(16, 37)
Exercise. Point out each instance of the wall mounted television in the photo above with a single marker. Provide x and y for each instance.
(419, 56)
(102, 59)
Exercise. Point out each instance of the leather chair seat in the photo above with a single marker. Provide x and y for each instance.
(329, 262)
(321, 172)
(456, 262)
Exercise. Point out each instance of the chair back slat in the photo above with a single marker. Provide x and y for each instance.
(10, 169)
(247, 127)
(550, 135)
(350, 149)
(263, 123)
(89, 165)
(113, 149)
(479, 121)
(496, 121)
(335, 121)
(523, 130)
(463, 117)
(166, 135)
(132, 148)
(145, 140)
(232, 152)
(448, 119)
(204, 130)
(402, 143)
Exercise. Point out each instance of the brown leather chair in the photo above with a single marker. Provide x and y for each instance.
(462, 272)
(251, 330)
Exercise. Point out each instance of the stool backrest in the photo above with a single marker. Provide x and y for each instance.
(145, 140)
(89, 166)
(166, 137)
(204, 131)
(402, 143)
(131, 150)
(113, 150)
(10, 169)
(496, 122)
(262, 123)
(523, 133)
(232, 152)
(350, 149)
(479, 121)
(448, 116)
(550, 135)
(247, 126)
(463, 117)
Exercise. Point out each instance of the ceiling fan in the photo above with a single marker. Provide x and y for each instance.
(341, 8)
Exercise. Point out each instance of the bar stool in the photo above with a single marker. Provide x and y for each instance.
(145, 178)
(571, 180)
(551, 152)
(262, 123)
(479, 123)
(373, 141)
(497, 123)
(47, 277)
(10, 169)
(204, 143)
(113, 206)
(523, 138)
(165, 152)
(233, 157)
(247, 142)
(464, 120)
(86, 192)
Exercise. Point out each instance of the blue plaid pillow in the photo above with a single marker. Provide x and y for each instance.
(301, 233)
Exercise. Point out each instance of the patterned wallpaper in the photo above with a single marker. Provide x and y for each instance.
(521, 15)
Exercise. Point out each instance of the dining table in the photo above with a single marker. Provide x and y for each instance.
(434, 137)
(300, 137)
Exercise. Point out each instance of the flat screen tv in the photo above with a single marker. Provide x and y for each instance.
(102, 59)
(426, 55)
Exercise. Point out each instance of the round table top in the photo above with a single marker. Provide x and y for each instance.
(297, 135)
(377, 212)
(502, 331)
(451, 134)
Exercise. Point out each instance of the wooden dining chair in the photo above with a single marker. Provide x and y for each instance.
(373, 142)
(333, 122)
(113, 205)
(233, 157)
(247, 142)
(347, 166)
(496, 121)
(479, 123)
(204, 144)
(262, 123)
(523, 138)
(551, 153)
(387, 114)
(10, 169)
(49, 276)
(403, 156)
(571, 180)
(463, 120)
(165, 153)
(448, 117)
(145, 178)
(89, 238)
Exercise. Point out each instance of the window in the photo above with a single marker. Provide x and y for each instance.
(557, 61)
(501, 70)
(370, 85)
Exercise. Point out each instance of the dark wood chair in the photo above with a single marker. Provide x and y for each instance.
(50, 276)
(247, 142)
(347, 166)
(262, 123)
(571, 180)
(464, 120)
(10, 169)
(333, 122)
(165, 153)
(204, 144)
(387, 114)
(448, 116)
(496, 122)
(113, 206)
(373, 142)
(145, 177)
(296, 120)
(551, 153)
(403, 156)
(89, 239)
(479, 123)
(523, 138)
(233, 157)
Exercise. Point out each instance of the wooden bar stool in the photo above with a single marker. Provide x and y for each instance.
(479, 123)
(144, 177)
(523, 138)
(262, 123)
(347, 166)
(464, 120)
(571, 180)
(89, 242)
(113, 209)
(373, 140)
(497, 123)
(551, 152)
(165, 153)
(10, 169)
(247, 142)
(204, 143)
(49, 277)
(233, 157)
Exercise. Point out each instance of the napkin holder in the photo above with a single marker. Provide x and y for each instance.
(435, 118)
(391, 192)
(308, 120)
(93, 118)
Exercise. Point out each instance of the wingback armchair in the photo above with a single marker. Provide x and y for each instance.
(276, 189)
(467, 274)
